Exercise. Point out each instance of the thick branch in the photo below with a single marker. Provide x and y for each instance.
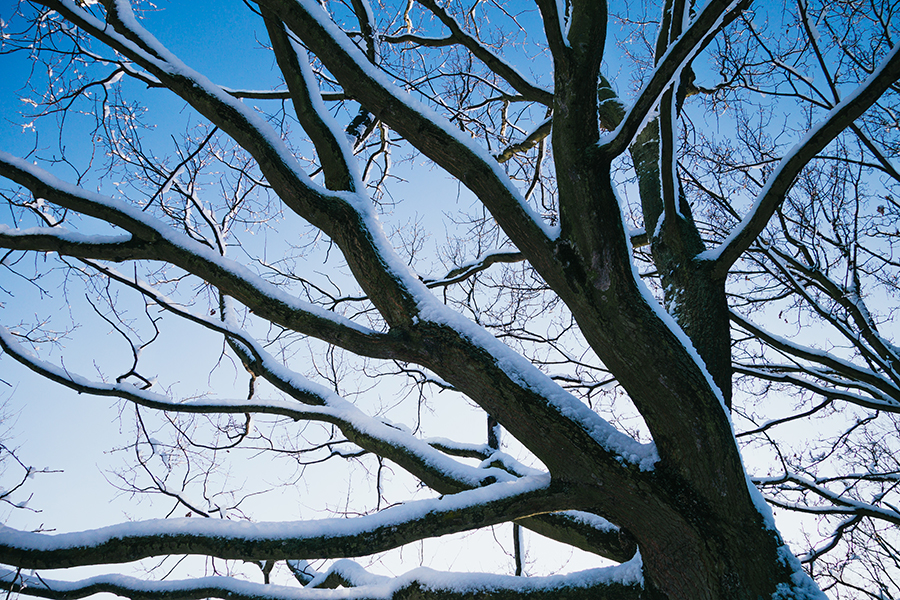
(68, 243)
(329, 538)
(612, 583)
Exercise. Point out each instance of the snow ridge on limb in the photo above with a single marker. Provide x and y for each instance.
(318, 404)
(700, 32)
(621, 582)
(153, 239)
(816, 139)
(71, 243)
(242, 540)
(553, 13)
(428, 131)
(839, 504)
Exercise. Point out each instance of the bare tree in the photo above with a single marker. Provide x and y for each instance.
(628, 250)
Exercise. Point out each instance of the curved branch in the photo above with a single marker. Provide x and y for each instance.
(531, 140)
(623, 582)
(700, 32)
(321, 404)
(328, 538)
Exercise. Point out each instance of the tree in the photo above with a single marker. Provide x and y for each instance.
(750, 171)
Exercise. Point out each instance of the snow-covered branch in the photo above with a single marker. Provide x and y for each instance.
(816, 139)
(698, 34)
(329, 538)
(318, 404)
(623, 582)
(838, 504)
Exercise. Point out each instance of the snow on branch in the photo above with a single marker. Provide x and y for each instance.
(153, 239)
(622, 582)
(833, 370)
(319, 404)
(336, 157)
(425, 129)
(828, 388)
(705, 26)
(838, 504)
(816, 139)
(63, 241)
(326, 538)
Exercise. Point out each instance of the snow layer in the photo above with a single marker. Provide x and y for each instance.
(373, 588)
(275, 531)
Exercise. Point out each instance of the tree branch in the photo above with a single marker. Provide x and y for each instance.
(622, 582)
(700, 32)
(816, 139)
(328, 538)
